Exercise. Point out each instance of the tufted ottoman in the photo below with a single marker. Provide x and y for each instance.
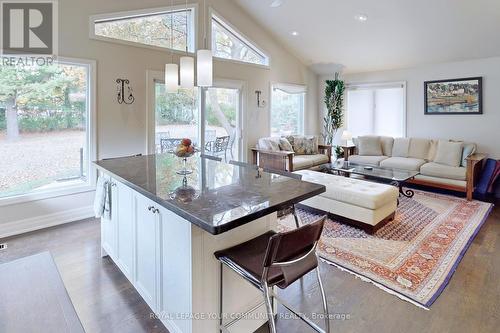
(365, 204)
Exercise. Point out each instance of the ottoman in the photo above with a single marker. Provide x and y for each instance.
(358, 202)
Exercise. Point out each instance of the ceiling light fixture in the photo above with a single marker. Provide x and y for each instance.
(361, 18)
(276, 3)
(187, 62)
(172, 69)
(204, 59)
(295, 33)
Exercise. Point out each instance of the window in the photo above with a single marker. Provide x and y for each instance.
(378, 109)
(168, 28)
(287, 109)
(44, 127)
(227, 43)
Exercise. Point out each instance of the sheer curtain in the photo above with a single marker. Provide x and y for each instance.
(378, 109)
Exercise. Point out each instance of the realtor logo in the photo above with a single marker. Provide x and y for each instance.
(28, 27)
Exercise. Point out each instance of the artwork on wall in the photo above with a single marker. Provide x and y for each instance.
(458, 96)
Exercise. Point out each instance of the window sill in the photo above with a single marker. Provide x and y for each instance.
(46, 194)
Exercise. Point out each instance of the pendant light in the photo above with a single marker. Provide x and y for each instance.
(204, 65)
(187, 62)
(171, 69)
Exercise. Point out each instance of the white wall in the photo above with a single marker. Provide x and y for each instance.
(121, 129)
(483, 129)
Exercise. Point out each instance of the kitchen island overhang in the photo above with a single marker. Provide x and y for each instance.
(164, 229)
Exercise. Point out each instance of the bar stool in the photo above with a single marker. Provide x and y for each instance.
(275, 259)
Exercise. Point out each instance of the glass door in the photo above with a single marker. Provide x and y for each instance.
(222, 123)
(176, 117)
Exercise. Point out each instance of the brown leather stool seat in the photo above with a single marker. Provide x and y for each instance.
(249, 257)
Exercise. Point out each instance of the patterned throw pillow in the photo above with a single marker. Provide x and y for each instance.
(305, 145)
(285, 145)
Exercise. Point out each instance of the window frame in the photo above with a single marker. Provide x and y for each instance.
(375, 85)
(91, 139)
(212, 13)
(304, 111)
(193, 39)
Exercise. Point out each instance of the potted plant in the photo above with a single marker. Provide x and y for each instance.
(334, 118)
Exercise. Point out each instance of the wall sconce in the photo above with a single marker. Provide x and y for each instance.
(122, 84)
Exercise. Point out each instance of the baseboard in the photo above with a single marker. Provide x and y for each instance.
(13, 228)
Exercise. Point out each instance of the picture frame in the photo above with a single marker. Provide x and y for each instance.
(462, 96)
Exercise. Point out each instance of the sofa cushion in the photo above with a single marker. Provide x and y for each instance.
(303, 162)
(419, 148)
(369, 146)
(433, 146)
(352, 191)
(400, 147)
(403, 163)
(449, 153)
(285, 144)
(433, 169)
(305, 145)
(270, 143)
(387, 144)
(370, 160)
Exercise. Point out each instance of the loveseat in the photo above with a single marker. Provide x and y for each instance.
(447, 164)
(291, 153)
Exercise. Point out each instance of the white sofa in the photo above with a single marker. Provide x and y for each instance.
(365, 204)
(446, 164)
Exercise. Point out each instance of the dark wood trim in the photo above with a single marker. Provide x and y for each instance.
(437, 185)
(480, 101)
(369, 229)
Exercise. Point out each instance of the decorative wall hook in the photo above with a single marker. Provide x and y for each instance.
(121, 92)
(260, 104)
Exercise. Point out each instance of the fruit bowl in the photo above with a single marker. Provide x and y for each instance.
(185, 149)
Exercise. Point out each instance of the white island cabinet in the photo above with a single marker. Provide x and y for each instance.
(165, 244)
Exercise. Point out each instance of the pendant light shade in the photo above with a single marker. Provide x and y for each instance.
(187, 72)
(172, 78)
(204, 68)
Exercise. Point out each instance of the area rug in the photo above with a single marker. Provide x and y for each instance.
(413, 256)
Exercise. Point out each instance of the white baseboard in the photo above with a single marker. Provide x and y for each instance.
(13, 228)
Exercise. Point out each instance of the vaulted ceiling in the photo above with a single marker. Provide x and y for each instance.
(396, 34)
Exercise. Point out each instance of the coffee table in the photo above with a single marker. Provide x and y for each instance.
(395, 177)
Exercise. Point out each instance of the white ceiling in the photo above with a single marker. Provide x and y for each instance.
(397, 34)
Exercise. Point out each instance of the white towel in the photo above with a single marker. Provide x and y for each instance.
(102, 201)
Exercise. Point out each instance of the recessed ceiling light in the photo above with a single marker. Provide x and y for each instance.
(361, 18)
(295, 33)
(276, 3)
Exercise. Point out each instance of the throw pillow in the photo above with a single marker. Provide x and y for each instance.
(285, 145)
(432, 150)
(449, 153)
(469, 149)
(369, 146)
(305, 145)
(271, 144)
(401, 147)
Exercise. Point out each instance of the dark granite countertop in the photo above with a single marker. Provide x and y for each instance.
(216, 196)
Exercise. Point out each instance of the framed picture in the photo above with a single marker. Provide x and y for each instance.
(458, 96)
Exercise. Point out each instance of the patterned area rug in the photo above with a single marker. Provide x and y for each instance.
(412, 257)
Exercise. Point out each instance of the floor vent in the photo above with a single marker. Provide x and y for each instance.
(3, 246)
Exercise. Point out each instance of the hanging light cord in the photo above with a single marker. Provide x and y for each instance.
(205, 24)
(172, 31)
(187, 28)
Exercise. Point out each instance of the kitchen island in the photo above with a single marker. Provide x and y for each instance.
(164, 228)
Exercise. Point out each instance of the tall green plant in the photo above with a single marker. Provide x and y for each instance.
(334, 100)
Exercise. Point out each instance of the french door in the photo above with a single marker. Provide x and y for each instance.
(210, 117)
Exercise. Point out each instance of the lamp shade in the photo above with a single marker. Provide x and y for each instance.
(172, 78)
(346, 135)
(187, 72)
(204, 68)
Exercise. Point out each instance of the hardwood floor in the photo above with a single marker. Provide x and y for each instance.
(106, 302)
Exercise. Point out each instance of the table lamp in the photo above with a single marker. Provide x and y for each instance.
(346, 136)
